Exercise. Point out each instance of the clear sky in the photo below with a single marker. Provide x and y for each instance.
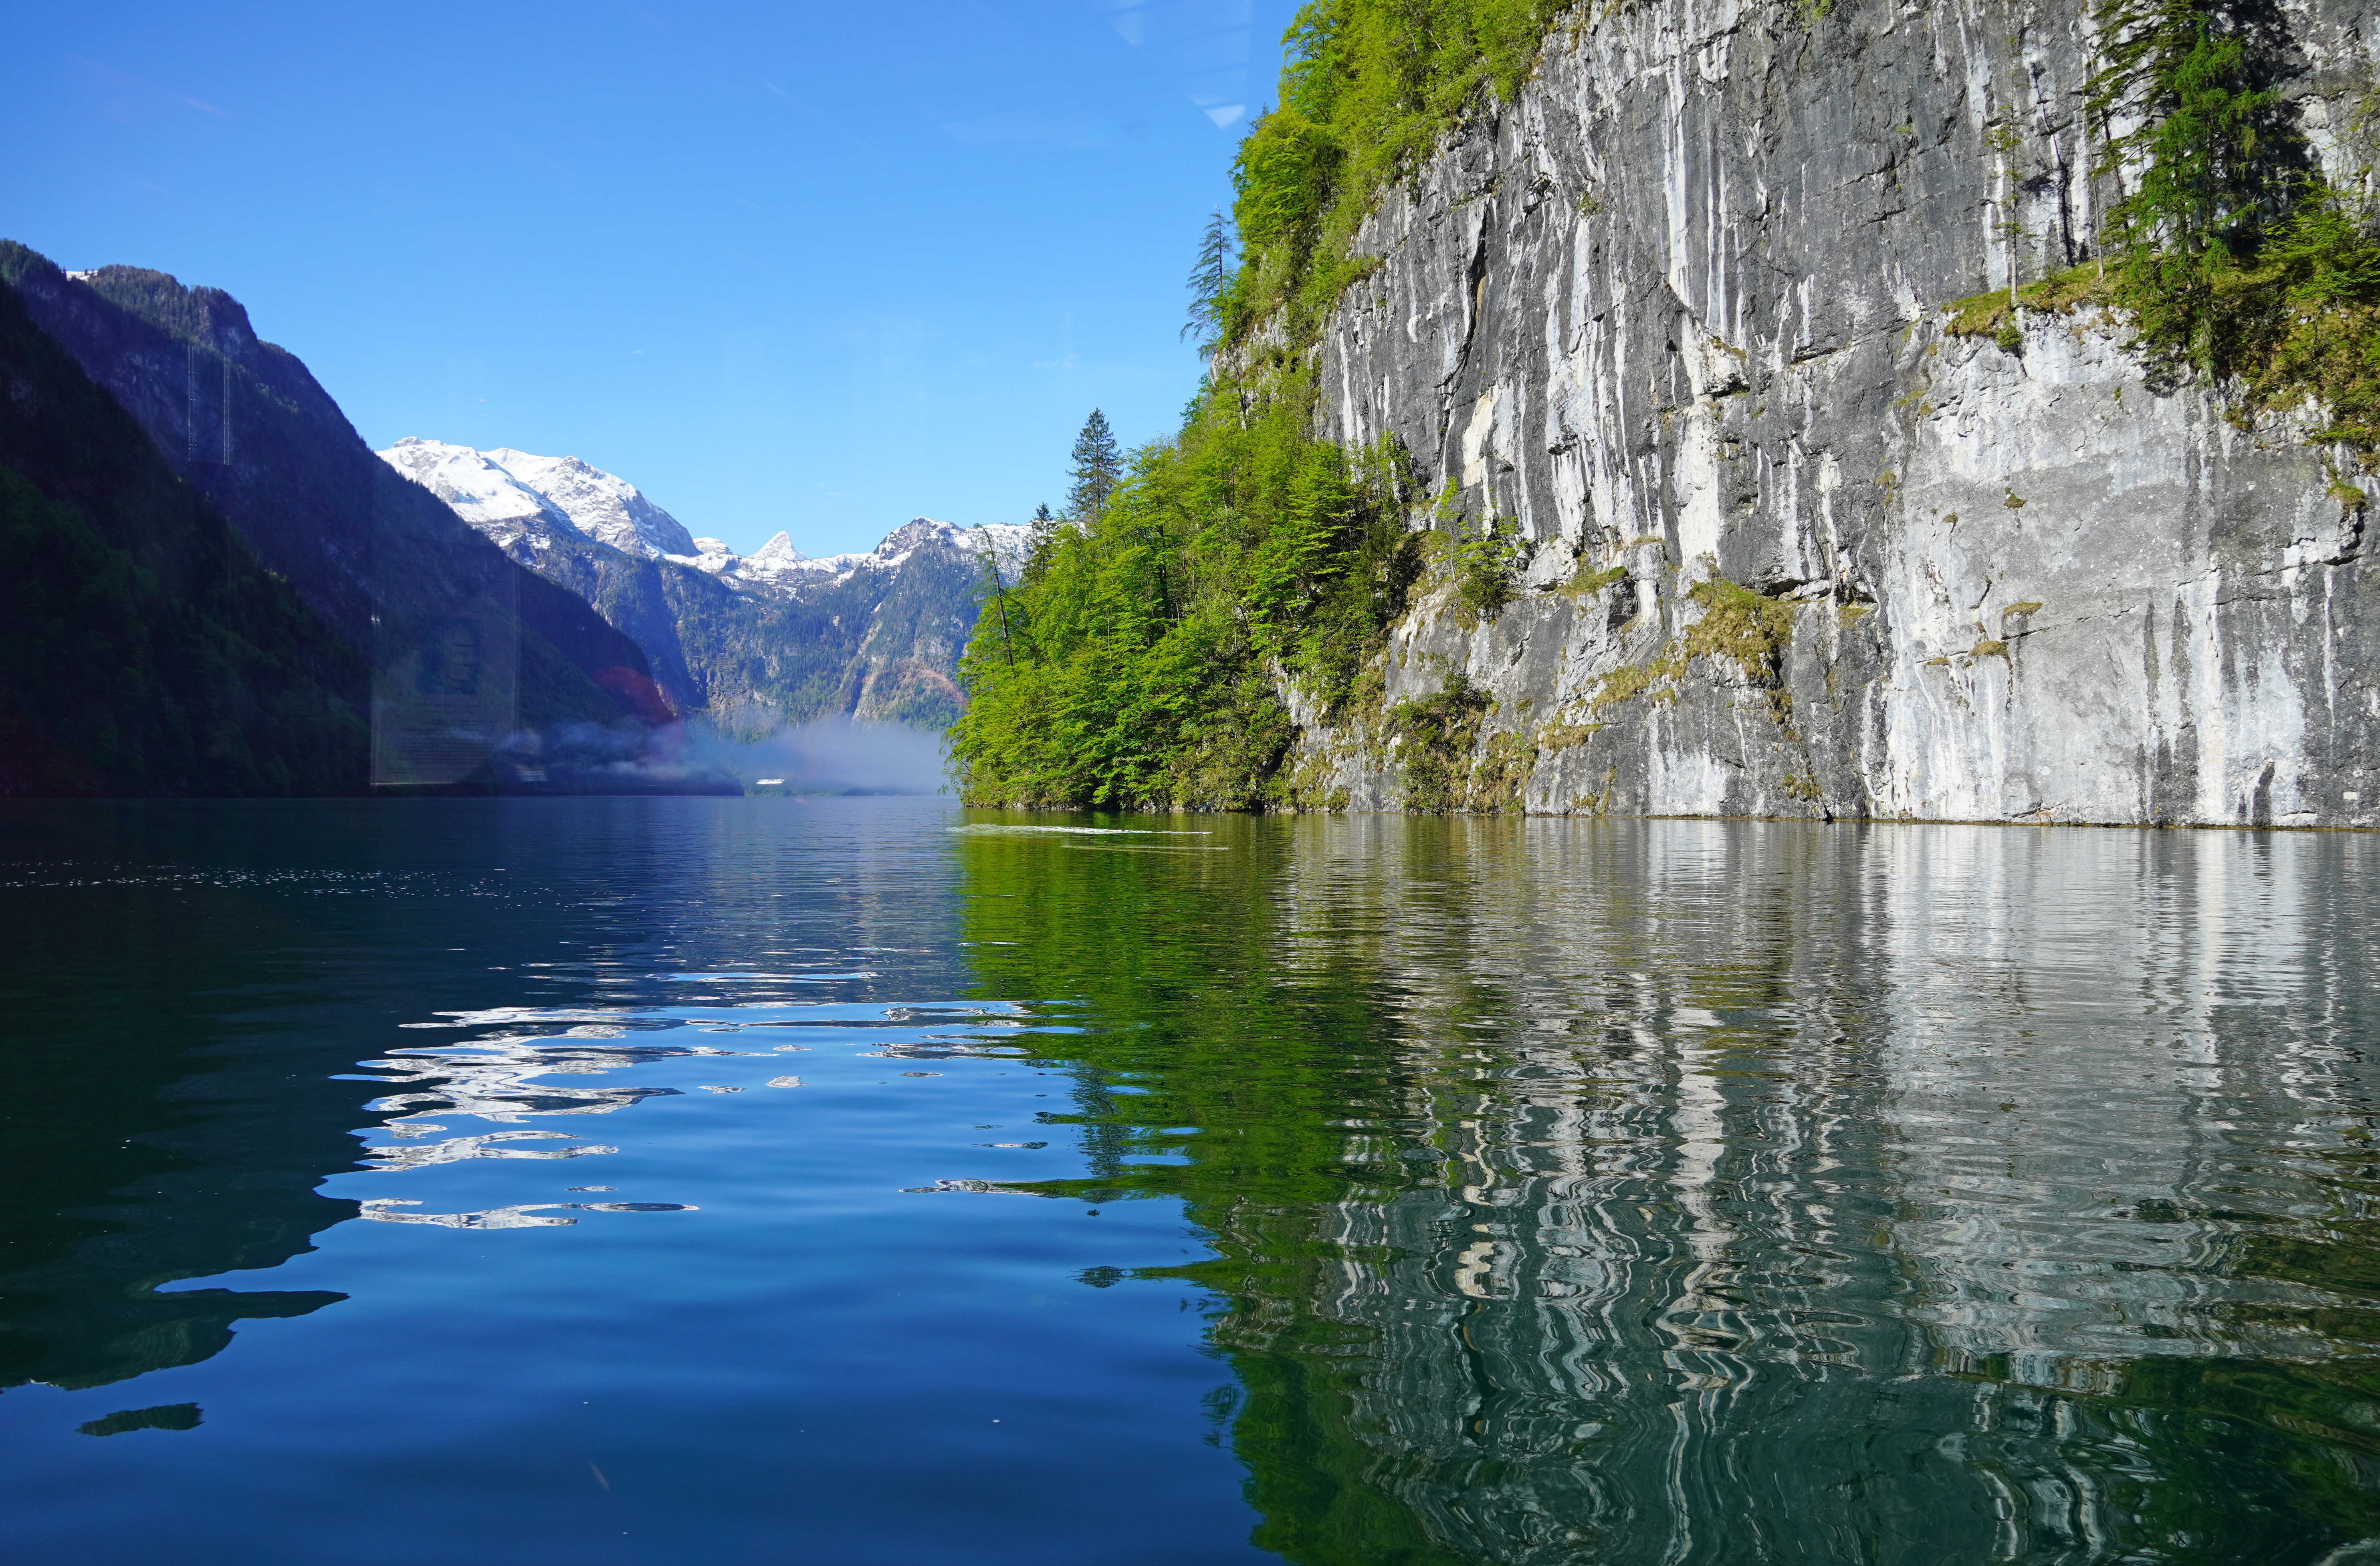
(800, 266)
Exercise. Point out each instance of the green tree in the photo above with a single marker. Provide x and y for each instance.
(1098, 465)
(1038, 543)
(1366, 87)
(1210, 283)
(2218, 154)
(2235, 260)
(2216, 158)
(1145, 638)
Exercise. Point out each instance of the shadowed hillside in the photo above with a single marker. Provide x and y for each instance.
(143, 647)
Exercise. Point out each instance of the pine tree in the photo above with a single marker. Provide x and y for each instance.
(2219, 152)
(1210, 277)
(1037, 543)
(1098, 465)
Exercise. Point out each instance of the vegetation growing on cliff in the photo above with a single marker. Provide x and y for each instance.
(1141, 649)
(2232, 256)
(1369, 87)
(1152, 637)
(1144, 648)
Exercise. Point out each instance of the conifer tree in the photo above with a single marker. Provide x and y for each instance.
(1210, 275)
(1098, 465)
(1037, 543)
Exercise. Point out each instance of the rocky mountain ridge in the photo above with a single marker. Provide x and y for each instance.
(1795, 544)
(503, 492)
(752, 641)
(144, 648)
(244, 423)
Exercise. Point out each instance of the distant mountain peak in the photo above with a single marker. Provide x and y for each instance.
(771, 637)
(521, 500)
(501, 489)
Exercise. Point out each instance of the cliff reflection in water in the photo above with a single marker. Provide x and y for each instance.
(146, 1140)
(1728, 1192)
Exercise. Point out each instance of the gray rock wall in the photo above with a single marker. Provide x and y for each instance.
(1677, 311)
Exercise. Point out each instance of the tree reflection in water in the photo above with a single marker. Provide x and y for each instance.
(1676, 1191)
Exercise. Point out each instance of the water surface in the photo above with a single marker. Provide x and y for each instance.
(861, 1181)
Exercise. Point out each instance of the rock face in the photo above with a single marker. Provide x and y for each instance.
(751, 640)
(1677, 311)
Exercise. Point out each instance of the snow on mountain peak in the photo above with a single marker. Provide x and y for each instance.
(519, 496)
(481, 492)
(500, 487)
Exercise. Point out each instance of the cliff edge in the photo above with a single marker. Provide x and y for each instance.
(1795, 544)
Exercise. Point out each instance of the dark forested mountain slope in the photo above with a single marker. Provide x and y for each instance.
(249, 429)
(143, 647)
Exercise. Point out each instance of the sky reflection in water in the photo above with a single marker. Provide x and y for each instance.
(1464, 1190)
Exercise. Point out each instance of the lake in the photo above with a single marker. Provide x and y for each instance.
(871, 1181)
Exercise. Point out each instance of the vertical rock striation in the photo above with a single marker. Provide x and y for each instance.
(1796, 547)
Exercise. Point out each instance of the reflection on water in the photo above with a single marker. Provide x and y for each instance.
(1671, 1191)
(143, 1137)
(504, 1076)
(1556, 1191)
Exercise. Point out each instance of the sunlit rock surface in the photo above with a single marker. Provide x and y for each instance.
(1677, 312)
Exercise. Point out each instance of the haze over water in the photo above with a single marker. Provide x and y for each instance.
(873, 1181)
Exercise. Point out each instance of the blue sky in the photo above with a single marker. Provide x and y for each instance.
(781, 265)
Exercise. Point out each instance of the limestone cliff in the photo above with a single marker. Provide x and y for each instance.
(1795, 549)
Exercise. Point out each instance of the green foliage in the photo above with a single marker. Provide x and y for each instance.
(1488, 569)
(1992, 313)
(1151, 633)
(1742, 627)
(2234, 260)
(1210, 283)
(2219, 158)
(1098, 465)
(1434, 737)
(2303, 319)
(1368, 86)
(1145, 641)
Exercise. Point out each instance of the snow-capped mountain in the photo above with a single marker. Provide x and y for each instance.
(508, 495)
(770, 636)
(515, 496)
(776, 566)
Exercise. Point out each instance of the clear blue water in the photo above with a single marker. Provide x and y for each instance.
(868, 1181)
(811, 1362)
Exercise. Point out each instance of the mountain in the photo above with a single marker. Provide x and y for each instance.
(144, 649)
(753, 641)
(386, 569)
(1835, 410)
(507, 495)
